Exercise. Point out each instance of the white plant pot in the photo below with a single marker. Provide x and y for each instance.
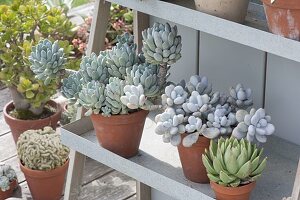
(233, 10)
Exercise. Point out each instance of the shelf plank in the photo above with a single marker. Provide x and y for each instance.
(158, 164)
(252, 34)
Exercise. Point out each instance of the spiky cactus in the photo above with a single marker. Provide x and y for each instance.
(7, 176)
(231, 162)
(42, 149)
(47, 60)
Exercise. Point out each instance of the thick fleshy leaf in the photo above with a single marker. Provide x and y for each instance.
(226, 178)
(208, 165)
(231, 162)
(260, 168)
(213, 178)
(244, 171)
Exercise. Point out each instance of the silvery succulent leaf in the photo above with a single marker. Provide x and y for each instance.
(71, 86)
(199, 84)
(7, 175)
(174, 95)
(240, 97)
(134, 97)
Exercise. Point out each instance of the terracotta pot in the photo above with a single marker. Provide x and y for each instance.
(233, 10)
(283, 17)
(8, 193)
(18, 126)
(120, 134)
(231, 193)
(191, 160)
(46, 185)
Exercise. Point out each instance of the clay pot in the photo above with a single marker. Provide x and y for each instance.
(8, 193)
(233, 10)
(18, 126)
(283, 17)
(120, 134)
(232, 193)
(46, 185)
(191, 160)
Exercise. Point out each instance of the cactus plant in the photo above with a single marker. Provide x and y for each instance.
(7, 176)
(231, 162)
(240, 97)
(41, 149)
(255, 126)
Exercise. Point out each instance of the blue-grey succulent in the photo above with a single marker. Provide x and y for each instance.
(126, 38)
(240, 97)
(174, 95)
(47, 60)
(71, 86)
(146, 75)
(161, 44)
(254, 126)
(134, 97)
(114, 90)
(7, 175)
(94, 67)
(199, 84)
(92, 97)
(197, 104)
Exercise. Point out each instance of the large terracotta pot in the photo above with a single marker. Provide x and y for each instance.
(232, 193)
(46, 185)
(191, 160)
(120, 134)
(18, 126)
(8, 193)
(233, 10)
(283, 17)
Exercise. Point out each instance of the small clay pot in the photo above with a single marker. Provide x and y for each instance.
(18, 126)
(191, 160)
(120, 134)
(283, 17)
(232, 193)
(233, 10)
(46, 185)
(8, 193)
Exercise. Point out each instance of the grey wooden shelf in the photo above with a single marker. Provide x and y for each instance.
(158, 164)
(253, 34)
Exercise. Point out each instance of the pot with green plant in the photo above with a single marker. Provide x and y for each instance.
(8, 181)
(44, 161)
(118, 86)
(23, 24)
(233, 166)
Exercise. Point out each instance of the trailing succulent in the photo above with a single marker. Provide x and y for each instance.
(41, 149)
(7, 175)
(231, 162)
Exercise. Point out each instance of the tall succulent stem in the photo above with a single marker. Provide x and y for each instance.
(163, 70)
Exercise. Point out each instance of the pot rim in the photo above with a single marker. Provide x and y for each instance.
(51, 102)
(233, 190)
(41, 174)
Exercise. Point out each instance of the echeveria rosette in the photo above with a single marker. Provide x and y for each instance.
(7, 175)
(199, 84)
(255, 126)
(231, 162)
(134, 97)
(126, 38)
(174, 96)
(47, 61)
(71, 86)
(240, 97)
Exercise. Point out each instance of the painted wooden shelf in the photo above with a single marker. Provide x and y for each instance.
(253, 34)
(158, 164)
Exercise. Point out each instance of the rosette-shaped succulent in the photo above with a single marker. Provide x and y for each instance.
(42, 149)
(126, 38)
(222, 119)
(146, 75)
(134, 97)
(170, 125)
(7, 175)
(71, 86)
(94, 67)
(254, 126)
(233, 162)
(199, 84)
(121, 57)
(92, 97)
(47, 60)
(197, 104)
(240, 97)
(174, 95)
(161, 44)
(113, 93)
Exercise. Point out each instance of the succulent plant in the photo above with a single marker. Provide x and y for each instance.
(134, 96)
(113, 92)
(47, 60)
(197, 104)
(254, 126)
(199, 84)
(231, 162)
(126, 38)
(174, 95)
(240, 97)
(161, 44)
(92, 97)
(42, 149)
(7, 175)
(94, 67)
(69, 115)
(71, 86)
(146, 75)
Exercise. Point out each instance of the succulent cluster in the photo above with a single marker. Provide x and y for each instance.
(231, 162)
(42, 149)
(118, 81)
(7, 175)
(240, 97)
